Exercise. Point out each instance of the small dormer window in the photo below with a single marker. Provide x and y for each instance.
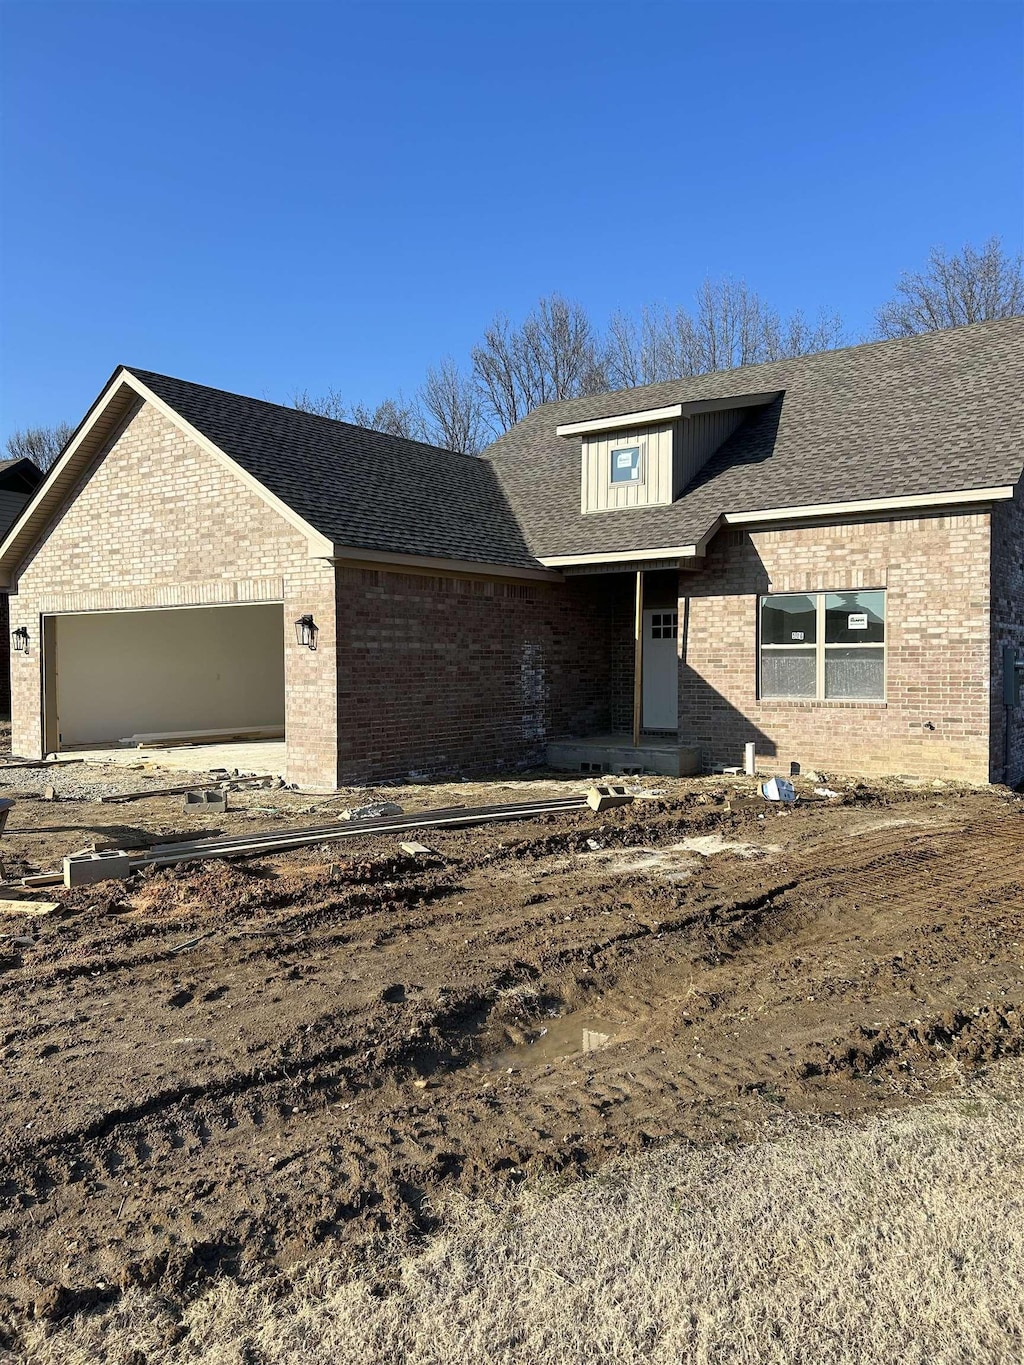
(626, 465)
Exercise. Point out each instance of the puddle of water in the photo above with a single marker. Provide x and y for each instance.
(565, 1036)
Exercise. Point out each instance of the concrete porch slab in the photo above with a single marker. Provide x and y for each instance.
(616, 754)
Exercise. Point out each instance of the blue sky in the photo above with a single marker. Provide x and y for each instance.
(268, 197)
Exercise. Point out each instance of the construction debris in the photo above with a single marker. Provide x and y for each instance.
(605, 798)
(50, 794)
(593, 1040)
(6, 806)
(260, 780)
(50, 762)
(779, 789)
(371, 812)
(827, 791)
(82, 869)
(416, 850)
(35, 908)
(214, 801)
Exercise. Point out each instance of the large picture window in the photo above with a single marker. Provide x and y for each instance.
(823, 646)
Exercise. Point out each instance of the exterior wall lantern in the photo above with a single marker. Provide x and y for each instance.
(19, 638)
(306, 631)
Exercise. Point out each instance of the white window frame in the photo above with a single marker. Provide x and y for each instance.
(641, 450)
(820, 597)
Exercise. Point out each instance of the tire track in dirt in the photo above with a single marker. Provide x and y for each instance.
(256, 1099)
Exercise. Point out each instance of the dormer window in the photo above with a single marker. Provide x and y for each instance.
(626, 464)
(647, 458)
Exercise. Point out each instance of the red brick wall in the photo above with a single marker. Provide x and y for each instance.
(936, 574)
(441, 674)
(1007, 629)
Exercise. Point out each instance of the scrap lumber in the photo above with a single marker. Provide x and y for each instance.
(34, 908)
(116, 798)
(44, 879)
(162, 739)
(39, 763)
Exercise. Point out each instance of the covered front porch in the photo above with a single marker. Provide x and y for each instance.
(634, 623)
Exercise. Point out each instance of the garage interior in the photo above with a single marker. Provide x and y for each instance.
(176, 674)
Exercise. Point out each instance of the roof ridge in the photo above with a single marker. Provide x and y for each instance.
(141, 374)
(877, 342)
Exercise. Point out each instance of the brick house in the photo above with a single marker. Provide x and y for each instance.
(823, 556)
(19, 479)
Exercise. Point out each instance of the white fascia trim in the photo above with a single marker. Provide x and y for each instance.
(319, 545)
(356, 557)
(900, 504)
(623, 557)
(28, 511)
(627, 419)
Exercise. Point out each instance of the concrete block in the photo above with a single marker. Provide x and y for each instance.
(211, 800)
(82, 869)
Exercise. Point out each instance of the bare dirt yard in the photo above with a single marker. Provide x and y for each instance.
(359, 1032)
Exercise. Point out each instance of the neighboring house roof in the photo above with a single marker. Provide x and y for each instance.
(361, 489)
(18, 481)
(939, 413)
(20, 476)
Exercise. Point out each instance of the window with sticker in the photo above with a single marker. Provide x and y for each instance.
(823, 646)
(626, 464)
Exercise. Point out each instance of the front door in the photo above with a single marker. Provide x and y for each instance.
(661, 671)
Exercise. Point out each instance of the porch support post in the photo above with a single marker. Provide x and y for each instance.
(638, 658)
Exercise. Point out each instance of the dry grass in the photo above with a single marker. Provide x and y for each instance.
(900, 1240)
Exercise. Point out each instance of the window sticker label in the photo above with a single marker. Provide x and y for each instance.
(857, 620)
(796, 635)
(624, 458)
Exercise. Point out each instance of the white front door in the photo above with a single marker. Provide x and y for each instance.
(661, 671)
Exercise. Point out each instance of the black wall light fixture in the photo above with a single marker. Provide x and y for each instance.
(19, 639)
(306, 631)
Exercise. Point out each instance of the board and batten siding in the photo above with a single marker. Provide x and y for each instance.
(599, 494)
(697, 439)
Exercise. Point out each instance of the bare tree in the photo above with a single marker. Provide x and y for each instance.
(453, 408)
(553, 354)
(395, 416)
(42, 445)
(730, 325)
(641, 349)
(329, 404)
(952, 291)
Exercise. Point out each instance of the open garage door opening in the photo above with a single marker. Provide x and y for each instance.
(198, 674)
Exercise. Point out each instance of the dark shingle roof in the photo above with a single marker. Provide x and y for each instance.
(940, 413)
(932, 414)
(357, 487)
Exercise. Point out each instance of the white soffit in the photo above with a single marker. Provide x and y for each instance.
(627, 419)
(649, 416)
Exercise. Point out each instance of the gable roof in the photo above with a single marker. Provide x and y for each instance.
(926, 420)
(360, 489)
(351, 491)
(920, 417)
